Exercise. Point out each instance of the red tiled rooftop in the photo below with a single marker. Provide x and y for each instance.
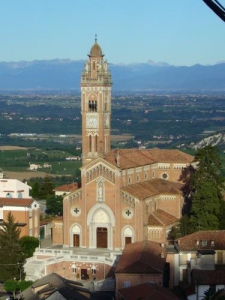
(215, 240)
(208, 277)
(161, 218)
(147, 291)
(131, 158)
(142, 258)
(16, 201)
(150, 188)
(67, 187)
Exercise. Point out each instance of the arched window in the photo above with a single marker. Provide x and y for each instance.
(8, 195)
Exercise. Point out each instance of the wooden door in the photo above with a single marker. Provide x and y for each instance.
(84, 274)
(102, 237)
(76, 240)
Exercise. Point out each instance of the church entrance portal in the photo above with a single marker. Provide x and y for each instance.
(102, 237)
(76, 240)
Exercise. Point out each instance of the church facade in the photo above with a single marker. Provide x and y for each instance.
(126, 195)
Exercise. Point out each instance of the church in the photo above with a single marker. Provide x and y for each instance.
(126, 195)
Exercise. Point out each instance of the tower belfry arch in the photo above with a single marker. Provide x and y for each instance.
(95, 105)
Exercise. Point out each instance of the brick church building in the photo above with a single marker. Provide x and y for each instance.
(126, 195)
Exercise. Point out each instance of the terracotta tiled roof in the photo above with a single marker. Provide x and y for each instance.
(147, 291)
(16, 201)
(131, 158)
(215, 240)
(208, 277)
(171, 155)
(142, 258)
(150, 188)
(67, 187)
(161, 218)
(58, 219)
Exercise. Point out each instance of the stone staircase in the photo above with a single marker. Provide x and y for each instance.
(33, 270)
(46, 242)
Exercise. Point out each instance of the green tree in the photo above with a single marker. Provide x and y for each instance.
(205, 207)
(173, 234)
(203, 191)
(11, 254)
(28, 245)
(209, 167)
(54, 205)
(46, 188)
(212, 294)
(13, 286)
(184, 225)
(35, 192)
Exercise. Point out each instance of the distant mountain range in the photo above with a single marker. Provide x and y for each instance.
(65, 75)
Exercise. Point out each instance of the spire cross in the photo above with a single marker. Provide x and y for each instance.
(96, 38)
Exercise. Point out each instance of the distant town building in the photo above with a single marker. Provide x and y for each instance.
(66, 189)
(34, 167)
(73, 158)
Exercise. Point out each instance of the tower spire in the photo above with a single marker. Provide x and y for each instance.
(95, 38)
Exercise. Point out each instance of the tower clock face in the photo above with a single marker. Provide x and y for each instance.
(92, 121)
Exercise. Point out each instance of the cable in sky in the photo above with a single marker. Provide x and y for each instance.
(216, 7)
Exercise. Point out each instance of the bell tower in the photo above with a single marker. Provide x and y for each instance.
(95, 105)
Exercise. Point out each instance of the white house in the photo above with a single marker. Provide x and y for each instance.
(34, 167)
(13, 188)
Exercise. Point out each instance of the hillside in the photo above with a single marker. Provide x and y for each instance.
(217, 139)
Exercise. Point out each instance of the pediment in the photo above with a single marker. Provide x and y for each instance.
(96, 162)
(99, 168)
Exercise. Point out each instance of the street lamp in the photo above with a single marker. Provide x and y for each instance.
(19, 267)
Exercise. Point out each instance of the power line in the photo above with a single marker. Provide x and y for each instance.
(216, 7)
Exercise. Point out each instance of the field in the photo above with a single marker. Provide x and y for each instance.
(15, 162)
(5, 148)
(25, 175)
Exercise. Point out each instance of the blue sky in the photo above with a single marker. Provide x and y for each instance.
(179, 32)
